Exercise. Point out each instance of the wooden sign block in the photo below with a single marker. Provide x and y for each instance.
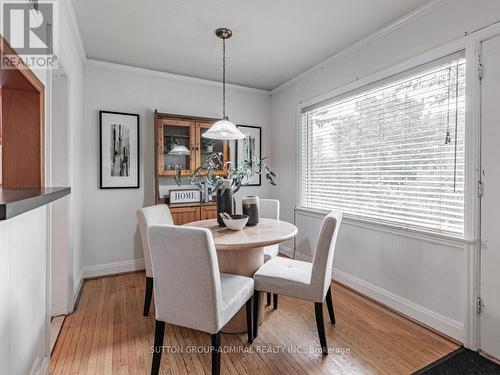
(185, 196)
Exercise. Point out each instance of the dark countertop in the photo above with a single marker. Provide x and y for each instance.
(15, 202)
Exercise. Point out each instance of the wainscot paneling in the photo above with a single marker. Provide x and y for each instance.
(422, 276)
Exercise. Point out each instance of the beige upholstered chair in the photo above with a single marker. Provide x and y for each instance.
(303, 280)
(189, 290)
(147, 216)
(270, 209)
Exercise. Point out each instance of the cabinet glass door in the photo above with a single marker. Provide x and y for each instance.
(209, 146)
(177, 147)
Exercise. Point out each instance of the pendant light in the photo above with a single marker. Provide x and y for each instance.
(224, 129)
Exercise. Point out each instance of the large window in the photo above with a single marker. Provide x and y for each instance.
(393, 152)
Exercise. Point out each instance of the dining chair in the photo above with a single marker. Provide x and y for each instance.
(304, 280)
(270, 209)
(147, 216)
(189, 290)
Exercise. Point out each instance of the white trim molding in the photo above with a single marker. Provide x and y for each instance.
(113, 268)
(421, 314)
(444, 324)
(426, 8)
(423, 235)
(76, 29)
(375, 77)
(77, 287)
(166, 75)
(40, 367)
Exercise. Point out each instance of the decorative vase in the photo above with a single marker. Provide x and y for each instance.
(250, 204)
(224, 202)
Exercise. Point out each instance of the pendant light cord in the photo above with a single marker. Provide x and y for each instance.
(224, 78)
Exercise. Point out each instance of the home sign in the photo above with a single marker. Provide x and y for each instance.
(185, 196)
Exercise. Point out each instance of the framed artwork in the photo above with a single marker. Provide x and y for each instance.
(250, 148)
(119, 150)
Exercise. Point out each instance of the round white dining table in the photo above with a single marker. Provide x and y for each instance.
(242, 253)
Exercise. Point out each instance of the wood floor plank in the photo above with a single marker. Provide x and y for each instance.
(108, 334)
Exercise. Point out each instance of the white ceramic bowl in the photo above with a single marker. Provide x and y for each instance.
(237, 222)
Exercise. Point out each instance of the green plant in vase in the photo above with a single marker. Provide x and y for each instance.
(225, 186)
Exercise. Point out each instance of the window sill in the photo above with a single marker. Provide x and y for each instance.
(392, 228)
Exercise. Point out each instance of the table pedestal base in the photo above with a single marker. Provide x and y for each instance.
(244, 263)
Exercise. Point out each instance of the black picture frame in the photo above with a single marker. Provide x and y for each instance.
(250, 128)
(102, 183)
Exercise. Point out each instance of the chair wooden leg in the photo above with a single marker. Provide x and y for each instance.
(148, 295)
(249, 308)
(158, 347)
(275, 301)
(216, 349)
(256, 300)
(268, 299)
(329, 303)
(318, 309)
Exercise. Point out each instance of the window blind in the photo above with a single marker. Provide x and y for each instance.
(393, 152)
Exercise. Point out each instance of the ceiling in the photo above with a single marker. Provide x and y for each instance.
(273, 40)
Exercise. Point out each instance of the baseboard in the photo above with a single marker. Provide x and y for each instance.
(77, 290)
(113, 268)
(40, 367)
(439, 322)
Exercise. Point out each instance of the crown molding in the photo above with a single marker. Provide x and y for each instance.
(173, 76)
(74, 26)
(363, 42)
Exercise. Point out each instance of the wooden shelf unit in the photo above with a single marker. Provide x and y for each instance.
(185, 130)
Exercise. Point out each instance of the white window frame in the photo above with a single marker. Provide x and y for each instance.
(472, 140)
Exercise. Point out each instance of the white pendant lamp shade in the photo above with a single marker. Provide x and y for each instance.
(179, 150)
(224, 130)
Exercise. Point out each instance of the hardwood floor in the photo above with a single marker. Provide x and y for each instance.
(107, 334)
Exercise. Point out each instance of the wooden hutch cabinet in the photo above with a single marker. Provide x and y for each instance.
(184, 131)
(172, 130)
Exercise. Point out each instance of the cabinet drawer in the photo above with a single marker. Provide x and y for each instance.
(184, 215)
(208, 212)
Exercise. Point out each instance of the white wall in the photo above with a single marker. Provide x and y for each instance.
(110, 235)
(427, 279)
(62, 244)
(24, 323)
(25, 242)
(71, 56)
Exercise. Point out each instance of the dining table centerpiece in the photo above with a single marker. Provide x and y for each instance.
(226, 178)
